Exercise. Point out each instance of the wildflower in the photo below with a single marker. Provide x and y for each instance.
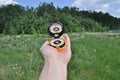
(28, 54)
(14, 68)
(94, 50)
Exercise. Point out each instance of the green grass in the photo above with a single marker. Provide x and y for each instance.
(94, 57)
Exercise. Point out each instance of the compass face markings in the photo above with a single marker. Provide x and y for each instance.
(57, 42)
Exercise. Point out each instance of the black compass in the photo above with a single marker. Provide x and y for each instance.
(55, 29)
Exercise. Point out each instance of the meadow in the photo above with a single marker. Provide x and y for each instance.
(94, 57)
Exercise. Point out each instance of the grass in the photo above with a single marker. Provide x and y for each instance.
(94, 57)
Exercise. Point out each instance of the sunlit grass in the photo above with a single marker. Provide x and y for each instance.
(94, 57)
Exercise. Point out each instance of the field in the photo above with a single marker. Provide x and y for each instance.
(94, 57)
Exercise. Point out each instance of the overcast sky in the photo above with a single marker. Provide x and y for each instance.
(110, 6)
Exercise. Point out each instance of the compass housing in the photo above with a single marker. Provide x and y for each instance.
(56, 29)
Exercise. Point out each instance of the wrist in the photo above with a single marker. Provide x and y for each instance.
(54, 68)
(54, 62)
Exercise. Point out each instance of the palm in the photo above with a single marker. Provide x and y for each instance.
(49, 52)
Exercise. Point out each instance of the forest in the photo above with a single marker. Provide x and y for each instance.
(16, 19)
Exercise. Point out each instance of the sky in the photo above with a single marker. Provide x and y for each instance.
(110, 6)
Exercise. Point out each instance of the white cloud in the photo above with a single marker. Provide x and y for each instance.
(104, 7)
(117, 10)
(6, 2)
(98, 5)
(83, 2)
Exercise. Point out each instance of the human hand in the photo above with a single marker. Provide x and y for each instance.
(50, 53)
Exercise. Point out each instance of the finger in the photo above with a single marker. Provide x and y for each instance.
(47, 46)
(66, 37)
(46, 43)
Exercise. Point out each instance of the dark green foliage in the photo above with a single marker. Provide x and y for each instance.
(104, 19)
(15, 19)
(7, 13)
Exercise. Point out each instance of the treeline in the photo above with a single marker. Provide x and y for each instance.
(15, 19)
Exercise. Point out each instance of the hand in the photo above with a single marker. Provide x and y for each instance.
(50, 53)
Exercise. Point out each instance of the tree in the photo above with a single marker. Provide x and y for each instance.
(9, 12)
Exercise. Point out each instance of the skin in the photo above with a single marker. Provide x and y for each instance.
(55, 62)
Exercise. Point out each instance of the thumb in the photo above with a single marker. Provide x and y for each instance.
(66, 37)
